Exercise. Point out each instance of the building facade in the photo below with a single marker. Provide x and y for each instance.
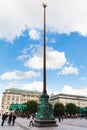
(17, 96)
(80, 101)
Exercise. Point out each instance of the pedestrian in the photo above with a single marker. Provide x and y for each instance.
(13, 119)
(10, 118)
(31, 120)
(62, 118)
(4, 117)
(59, 118)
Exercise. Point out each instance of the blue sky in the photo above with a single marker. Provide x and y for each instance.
(21, 45)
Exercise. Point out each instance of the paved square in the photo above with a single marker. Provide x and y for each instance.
(66, 124)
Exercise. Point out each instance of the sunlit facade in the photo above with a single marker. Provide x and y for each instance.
(17, 96)
(80, 101)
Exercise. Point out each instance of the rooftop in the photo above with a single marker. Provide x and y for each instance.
(22, 90)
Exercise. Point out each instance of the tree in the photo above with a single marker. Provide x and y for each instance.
(59, 109)
(32, 106)
(71, 108)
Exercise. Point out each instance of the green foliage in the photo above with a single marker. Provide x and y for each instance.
(32, 106)
(71, 108)
(59, 109)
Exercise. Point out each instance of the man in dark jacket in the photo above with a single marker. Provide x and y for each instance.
(4, 116)
(13, 120)
(10, 118)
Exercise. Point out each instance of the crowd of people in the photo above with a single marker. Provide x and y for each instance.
(9, 118)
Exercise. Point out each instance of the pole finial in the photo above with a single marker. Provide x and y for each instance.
(44, 5)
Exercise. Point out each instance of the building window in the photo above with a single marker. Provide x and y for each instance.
(12, 98)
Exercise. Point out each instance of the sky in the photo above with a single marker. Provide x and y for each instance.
(21, 45)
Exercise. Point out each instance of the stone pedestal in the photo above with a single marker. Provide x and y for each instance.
(45, 123)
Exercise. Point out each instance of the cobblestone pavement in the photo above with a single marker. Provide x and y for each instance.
(66, 124)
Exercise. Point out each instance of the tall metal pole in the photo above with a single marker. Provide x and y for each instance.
(44, 51)
(44, 117)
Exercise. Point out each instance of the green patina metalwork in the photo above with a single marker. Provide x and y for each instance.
(82, 111)
(44, 109)
(18, 107)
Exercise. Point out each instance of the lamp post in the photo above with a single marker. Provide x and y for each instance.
(44, 115)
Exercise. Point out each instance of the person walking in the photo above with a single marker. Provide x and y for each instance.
(62, 117)
(31, 120)
(4, 117)
(59, 118)
(13, 120)
(10, 118)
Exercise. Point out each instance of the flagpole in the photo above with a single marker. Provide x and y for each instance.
(44, 51)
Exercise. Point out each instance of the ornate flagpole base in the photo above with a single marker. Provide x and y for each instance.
(45, 117)
(45, 123)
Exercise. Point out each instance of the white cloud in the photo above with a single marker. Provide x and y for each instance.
(55, 59)
(83, 78)
(22, 57)
(0, 85)
(53, 40)
(70, 90)
(36, 85)
(34, 34)
(69, 70)
(62, 16)
(19, 75)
